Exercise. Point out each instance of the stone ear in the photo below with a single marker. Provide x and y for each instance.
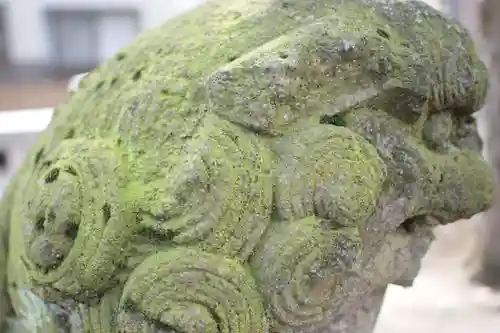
(330, 172)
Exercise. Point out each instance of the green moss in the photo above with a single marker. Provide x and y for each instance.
(162, 71)
(450, 184)
(301, 267)
(330, 172)
(219, 193)
(74, 220)
(445, 70)
(188, 290)
(437, 131)
(465, 186)
(365, 57)
(194, 137)
(98, 316)
(5, 218)
(154, 86)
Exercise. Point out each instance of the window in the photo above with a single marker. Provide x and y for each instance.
(3, 161)
(81, 39)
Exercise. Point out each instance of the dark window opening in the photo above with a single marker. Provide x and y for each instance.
(83, 39)
(3, 160)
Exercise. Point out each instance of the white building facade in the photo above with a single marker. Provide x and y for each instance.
(77, 33)
(83, 33)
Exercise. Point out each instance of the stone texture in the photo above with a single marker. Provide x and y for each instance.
(251, 166)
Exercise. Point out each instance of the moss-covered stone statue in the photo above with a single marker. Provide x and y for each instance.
(252, 166)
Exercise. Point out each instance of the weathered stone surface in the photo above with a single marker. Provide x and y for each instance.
(251, 166)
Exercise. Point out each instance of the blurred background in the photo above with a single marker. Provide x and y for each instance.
(43, 43)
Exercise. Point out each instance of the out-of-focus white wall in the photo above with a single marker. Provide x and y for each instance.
(468, 14)
(19, 130)
(156, 12)
(434, 3)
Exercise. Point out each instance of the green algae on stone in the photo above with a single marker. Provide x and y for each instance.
(300, 268)
(219, 193)
(465, 185)
(327, 171)
(437, 131)
(162, 69)
(189, 290)
(172, 172)
(98, 317)
(75, 220)
(405, 154)
(5, 219)
(292, 77)
(430, 181)
(412, 169)
(443, 58)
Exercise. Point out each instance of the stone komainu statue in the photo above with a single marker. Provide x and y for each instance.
(252, 166)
